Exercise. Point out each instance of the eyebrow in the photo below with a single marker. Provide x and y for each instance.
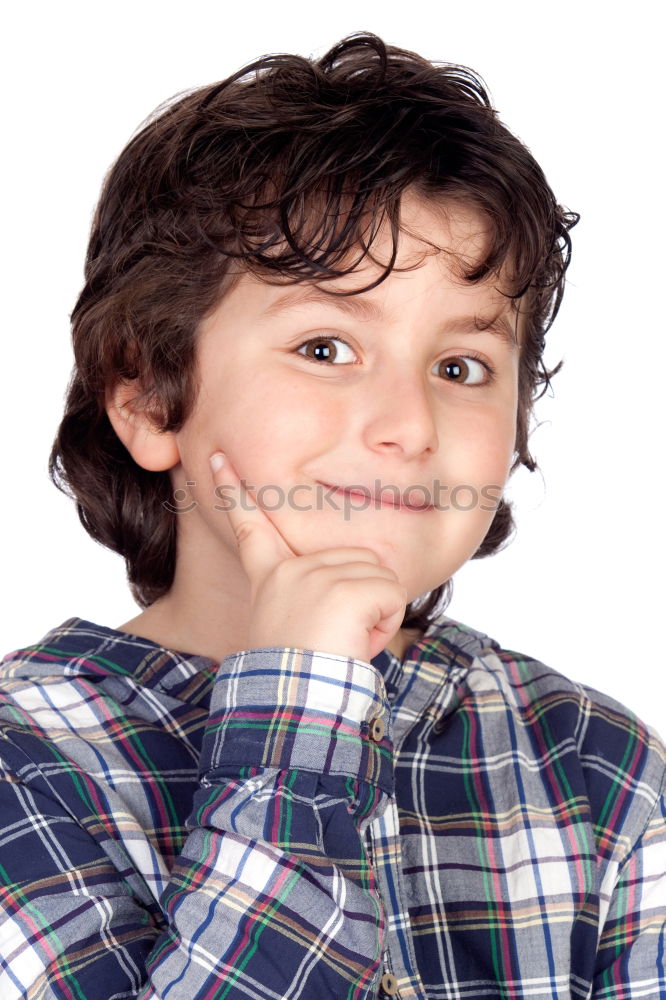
(499, 326)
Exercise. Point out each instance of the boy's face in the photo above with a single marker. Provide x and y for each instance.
(405, 401)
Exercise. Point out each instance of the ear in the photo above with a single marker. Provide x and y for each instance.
(150, 448)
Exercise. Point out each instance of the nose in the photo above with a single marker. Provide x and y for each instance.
(401, 415)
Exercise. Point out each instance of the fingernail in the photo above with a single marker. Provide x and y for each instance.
(217, 461)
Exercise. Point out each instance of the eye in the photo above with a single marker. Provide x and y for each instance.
(320, 351)
(467, 370)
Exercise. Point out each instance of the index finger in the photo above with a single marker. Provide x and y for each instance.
(260, 544)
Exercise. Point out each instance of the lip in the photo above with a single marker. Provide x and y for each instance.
(369, 495)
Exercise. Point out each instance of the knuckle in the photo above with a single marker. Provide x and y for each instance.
(339, 587)
(281, 568)
(327, 571)
(284, 570)
(243, 531)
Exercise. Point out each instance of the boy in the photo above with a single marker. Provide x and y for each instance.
(291, 775)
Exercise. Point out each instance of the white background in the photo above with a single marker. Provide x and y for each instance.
(581, 586)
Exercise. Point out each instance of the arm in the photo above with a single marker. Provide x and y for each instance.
(272, 895)
(631, 958)
(275, 864)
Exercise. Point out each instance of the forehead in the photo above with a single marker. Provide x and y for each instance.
(449, 239)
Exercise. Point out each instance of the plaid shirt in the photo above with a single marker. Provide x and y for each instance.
(464, 824)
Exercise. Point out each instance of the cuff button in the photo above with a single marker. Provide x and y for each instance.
(377, 730)
(389, 984)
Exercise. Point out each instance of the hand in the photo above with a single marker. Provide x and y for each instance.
(338, 600)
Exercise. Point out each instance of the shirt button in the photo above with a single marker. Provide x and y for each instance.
(377, 730)
(389, 984)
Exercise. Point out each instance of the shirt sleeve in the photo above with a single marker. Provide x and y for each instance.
(273, 894)
(631, 957)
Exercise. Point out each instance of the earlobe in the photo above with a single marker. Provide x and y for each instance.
(151, 448)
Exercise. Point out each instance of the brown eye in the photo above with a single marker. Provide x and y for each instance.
(467, 371)
(319, 349)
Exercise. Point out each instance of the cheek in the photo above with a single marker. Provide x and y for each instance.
(482, 449)
(276, 425)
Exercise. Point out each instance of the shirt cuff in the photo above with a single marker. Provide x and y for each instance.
(285, 708)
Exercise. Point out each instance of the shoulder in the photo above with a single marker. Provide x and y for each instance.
(82, 680)
(74, 644)
(51, 690)
(542, 696)
(81, 649)
(588, 747)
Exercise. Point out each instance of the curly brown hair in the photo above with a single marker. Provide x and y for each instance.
(287, 169)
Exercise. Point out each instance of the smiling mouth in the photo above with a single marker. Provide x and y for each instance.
(378, 501)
